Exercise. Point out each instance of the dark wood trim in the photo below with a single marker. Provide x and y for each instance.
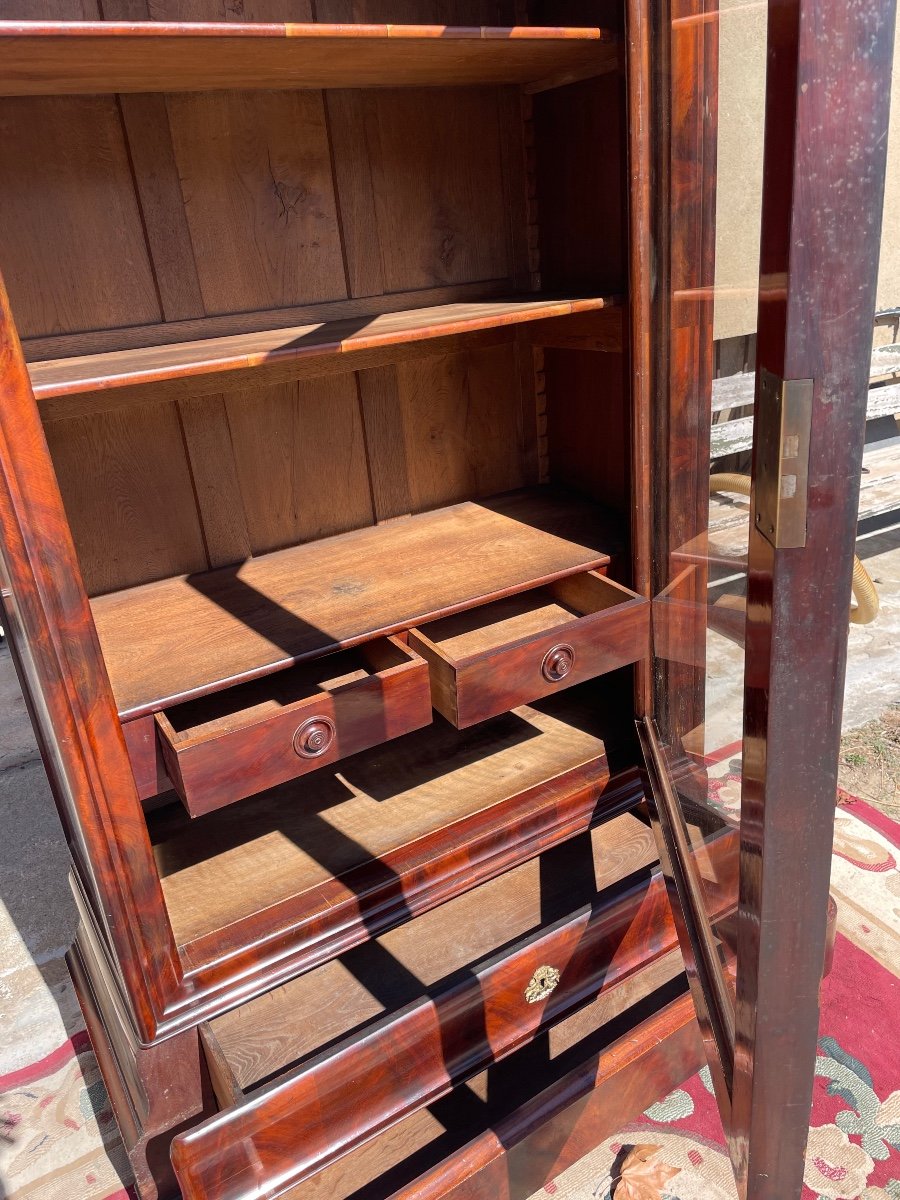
(826, 122)
(640, 309)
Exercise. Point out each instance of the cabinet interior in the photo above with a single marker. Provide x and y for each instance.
(315, 367)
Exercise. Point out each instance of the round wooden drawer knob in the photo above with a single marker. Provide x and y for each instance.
(558, 663)
(314, 737)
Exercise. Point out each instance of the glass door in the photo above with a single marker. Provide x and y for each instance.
(770, 125)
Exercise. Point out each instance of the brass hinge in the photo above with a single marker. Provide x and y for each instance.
(781, 481)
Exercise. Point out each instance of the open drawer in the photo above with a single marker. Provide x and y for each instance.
(237, 742)
(488, 660)
(311, 1071)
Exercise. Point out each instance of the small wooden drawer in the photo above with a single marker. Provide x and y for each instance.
(488, 660)
(235, 743)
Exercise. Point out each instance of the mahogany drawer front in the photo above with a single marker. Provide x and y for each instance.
(486, 661)
(297, 1125)
(238, 742)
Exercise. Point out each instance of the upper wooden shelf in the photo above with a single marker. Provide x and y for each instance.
(203, 632)
(269, 356)
(69, 57)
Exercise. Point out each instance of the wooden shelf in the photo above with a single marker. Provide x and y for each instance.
(206, 631)
(61, 58)
(269, 356)
(322, 863)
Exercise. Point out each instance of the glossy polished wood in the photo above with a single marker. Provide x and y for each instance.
(148, 220)
(480, 931)
(256, 1142)
(250, 738)
(39, 58)
(205, 631)
(297, 873)
(515, 651)
(826, 116)
(57, 655)
(529, 1148)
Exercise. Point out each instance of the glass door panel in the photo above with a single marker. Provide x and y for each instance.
(754, 475)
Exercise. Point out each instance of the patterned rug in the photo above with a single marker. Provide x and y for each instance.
(58, 1139)
(676, 1151)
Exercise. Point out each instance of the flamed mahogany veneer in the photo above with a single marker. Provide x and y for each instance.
(354, 403)
(355, 395)
(221, 748)
(466, 984)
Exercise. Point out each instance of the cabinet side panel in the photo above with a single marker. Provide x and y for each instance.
(580, 186)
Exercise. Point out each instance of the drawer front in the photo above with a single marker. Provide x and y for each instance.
(274, 1138)
(211, 766)
(500, 677)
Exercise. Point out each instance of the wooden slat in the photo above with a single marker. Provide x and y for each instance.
(55, 58)
(71, 244)
(734, 391)
(301, 461)
(259, 198)
(146, 123)
(353, 133)
(202, 632)
(252, 359)
(438, 186)
(460, 418)
(207, 438)
(386, 447)
(731, 437)
(129, 497)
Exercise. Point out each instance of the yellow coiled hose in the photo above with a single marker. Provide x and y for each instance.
(867, 603)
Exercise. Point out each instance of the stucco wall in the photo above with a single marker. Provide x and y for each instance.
(742, 62)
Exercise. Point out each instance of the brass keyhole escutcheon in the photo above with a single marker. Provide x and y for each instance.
(558, 663)
(542, 983)
(314, 737)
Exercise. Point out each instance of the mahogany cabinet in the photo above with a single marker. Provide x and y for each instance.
(354, 454)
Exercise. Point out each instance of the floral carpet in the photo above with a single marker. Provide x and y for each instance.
(676, 1151)
(58, 1138)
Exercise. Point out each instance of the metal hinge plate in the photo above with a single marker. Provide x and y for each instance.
(781, 484)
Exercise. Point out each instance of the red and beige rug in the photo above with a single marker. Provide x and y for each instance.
(676, 1151)
(58, 1138)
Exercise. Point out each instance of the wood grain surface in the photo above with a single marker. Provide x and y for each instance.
(44, 58)
(433, 1039)
(352, 834)
(252, 359)
(487, 660)
(205, 631)
(222, 748)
